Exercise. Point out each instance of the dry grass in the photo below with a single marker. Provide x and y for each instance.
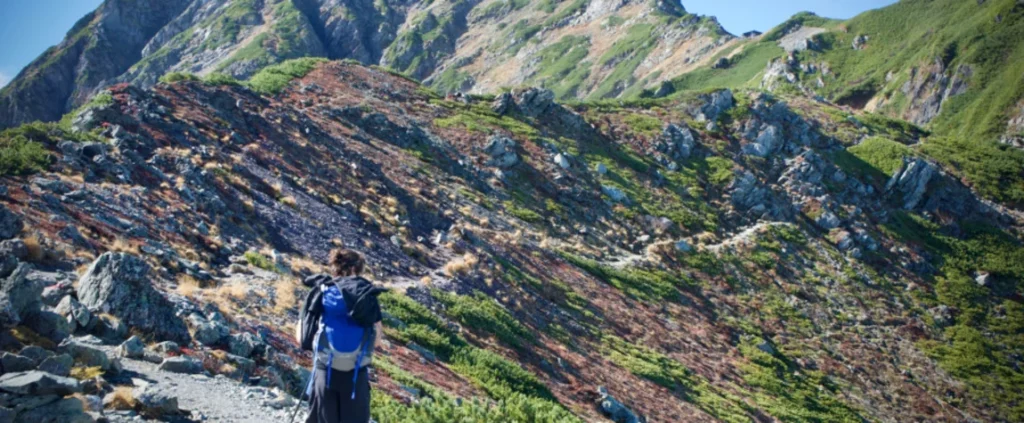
(121, 398)
(289, 201)
(188, 286)
(233, 291)
(461, 265)
(122, 245)
(298, 263)
(86, 373)
(285, 298)
(34, 245)
(28, 336)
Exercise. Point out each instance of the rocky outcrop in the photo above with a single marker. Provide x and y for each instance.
(10, 223)
(930, 86)
(501, 150)
(119, 284)
(910, 182)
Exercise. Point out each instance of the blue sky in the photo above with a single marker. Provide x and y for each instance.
(28, 27)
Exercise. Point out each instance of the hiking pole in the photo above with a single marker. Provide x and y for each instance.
(298, 405)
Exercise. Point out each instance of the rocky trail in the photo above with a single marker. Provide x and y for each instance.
(209, 399)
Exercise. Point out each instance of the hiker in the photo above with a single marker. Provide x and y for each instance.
(339, 323)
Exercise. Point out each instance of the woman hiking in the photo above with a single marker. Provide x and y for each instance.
(339, 323)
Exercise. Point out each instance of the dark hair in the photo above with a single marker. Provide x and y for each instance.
(345, 262)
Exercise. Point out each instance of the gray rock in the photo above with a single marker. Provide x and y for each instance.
(132, 348)
(767, 141)
(118, 283)
(615, 410)
(562, 161)
(15, 248)
(828, 220)
(67, 410)
(10, 223)
(155, 403)
(715, 103)
(6, 415)
(53, 294)
(615, 194)
(425, 353)
(85, 354)
(677, 141)
(502, 103)
(167, 347)
(683, 246)
(76, 314)
(533, 102)
(181, 364)
(37, 354)
(601, 169)
(59, 365)
(982, 279)
(19, 295)
(37, 382)
(911, 180)
(502, 150)
(48, 324)
(208, 331)
(245, 344)
(11, 363)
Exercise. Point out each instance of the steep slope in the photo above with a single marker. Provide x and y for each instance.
(581, 49)
(727, 256)
(952, 67)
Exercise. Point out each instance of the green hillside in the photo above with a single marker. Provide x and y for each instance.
(900, 41)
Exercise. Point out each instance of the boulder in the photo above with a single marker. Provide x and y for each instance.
(76, 314)
(828, 220)
(11, 363)
(48, 324)
(167, 347)
(15, 248)
(677, 141)
(982, 278)
(10, 223)
(38, 383)
(53, 294)
(715, 103)
(245, 344)
(181, 364)
(615, 410)
(132, 348)
(37, 354)
(601, 169)
(767, 141)
(118, 284)
(502, 104)
(683, 246)
(208, 331)
(502, 150)
(59, 365)
(155, 403)
(615, 194)
(533, 101)
(67, 410)
(19, 296)
(911, 181)
(85, 354)
(562, 161)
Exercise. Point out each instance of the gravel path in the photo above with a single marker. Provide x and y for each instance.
(212, 399)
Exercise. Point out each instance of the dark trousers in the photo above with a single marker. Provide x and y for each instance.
(334, 403)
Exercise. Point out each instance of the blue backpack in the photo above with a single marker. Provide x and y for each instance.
(338, 318)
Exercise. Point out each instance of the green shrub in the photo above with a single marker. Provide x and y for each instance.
(259, 260)
(217, 78)
(523, 213)
(644, 124)
(20, 156)
(273, 79)
(882, 154)
(497, 376)
(484, 314)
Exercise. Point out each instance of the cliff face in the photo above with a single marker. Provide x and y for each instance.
(580, 49)
(99, 48)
